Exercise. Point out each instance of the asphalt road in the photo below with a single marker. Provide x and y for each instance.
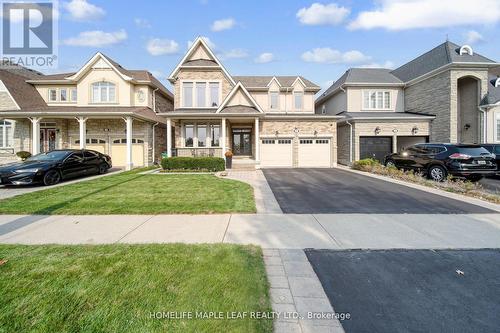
(412, 290)
(328, 191)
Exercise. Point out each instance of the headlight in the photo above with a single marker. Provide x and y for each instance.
(27, 170)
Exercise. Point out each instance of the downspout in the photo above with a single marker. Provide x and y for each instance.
(485, 122)
(350, 140)
(154, 150)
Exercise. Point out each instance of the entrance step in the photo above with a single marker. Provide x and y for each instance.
(243, 164)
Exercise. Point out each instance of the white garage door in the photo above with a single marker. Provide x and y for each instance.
(92, 144)
(314, 153)
(276, 153)
(119, 152)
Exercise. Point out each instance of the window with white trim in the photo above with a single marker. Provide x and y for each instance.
(63, 95)
(267, 141)
(298, 100)
(103, 92)
(376, 100)
(215, 135)
(74, 94)
(188, 135)
(6, 137)
(201, 94)
(53, 95)
(214, 88)
(201, 135)
(274, 100)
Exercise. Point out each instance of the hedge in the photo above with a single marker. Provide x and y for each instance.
(193, 163)
(366, 163)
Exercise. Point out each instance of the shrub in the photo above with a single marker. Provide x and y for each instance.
(23, 154)
(193, 163)
(366, 164)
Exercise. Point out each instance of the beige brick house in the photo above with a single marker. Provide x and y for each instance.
(266, 121)
(103, 106)
(439, 96)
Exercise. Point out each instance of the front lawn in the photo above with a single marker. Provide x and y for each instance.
(118, 288)
(134, 193)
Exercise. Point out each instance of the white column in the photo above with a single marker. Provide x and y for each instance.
(257, 141)
(83, 131)
(129, 121)
(223, 137)
(169, 137)
(35, 144)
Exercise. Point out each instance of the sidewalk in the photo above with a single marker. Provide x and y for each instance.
(328, 231)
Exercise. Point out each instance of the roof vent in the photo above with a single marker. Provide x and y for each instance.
(497, 82)
(466, 49)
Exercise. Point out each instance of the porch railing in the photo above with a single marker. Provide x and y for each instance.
(197, 152)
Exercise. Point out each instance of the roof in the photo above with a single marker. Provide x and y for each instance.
(24, 94)
(263, 81)
(19, 70)
(441, 55)
(493, 95)
(360, 76)
(377, 115)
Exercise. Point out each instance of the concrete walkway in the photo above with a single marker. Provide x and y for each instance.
(329, 231)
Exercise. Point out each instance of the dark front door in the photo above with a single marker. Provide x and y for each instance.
(376, 147)
(242, 141)
(47, 139)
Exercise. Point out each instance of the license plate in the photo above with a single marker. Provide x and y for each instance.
(481, 162)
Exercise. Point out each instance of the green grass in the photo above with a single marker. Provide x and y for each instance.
(115, 288)
(133, 193)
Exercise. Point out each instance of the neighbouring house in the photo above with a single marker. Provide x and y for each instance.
(436, 97)
(490, 104)
(265, 121)
(102, 106)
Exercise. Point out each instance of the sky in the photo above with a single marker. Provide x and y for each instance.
(318, 40)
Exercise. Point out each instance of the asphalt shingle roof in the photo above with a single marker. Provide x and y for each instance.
(25, 95)
(493, 95)
(263, 81)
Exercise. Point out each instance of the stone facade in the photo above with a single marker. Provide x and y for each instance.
(343, 143)
(163, 104)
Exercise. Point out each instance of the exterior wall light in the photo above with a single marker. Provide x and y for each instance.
(377, 130)
(414, 130)
(467, 126)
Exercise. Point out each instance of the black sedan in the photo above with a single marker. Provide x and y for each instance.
(438, 160)
(52, 167)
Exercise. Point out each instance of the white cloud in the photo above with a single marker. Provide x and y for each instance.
(264, 58)
(319, 14)
(97, 38)
(331, 56)
(207, 40)
(224, 24)
(157, 46)
(411, 14)
(142, 23)
(388, 64)
(233, 54)
(81, 10)
(472, 37)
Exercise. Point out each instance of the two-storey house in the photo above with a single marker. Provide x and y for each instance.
(265, 121)
(103, 107)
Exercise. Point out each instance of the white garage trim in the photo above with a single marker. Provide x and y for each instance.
(315, 152)
(276, 152)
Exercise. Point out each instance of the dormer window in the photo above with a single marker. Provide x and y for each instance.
(466, 49)
(274, 100)
(103, 92)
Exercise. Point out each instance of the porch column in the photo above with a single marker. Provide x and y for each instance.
(257, 141)
(83, 131)
(35, 144)
(223, 137)
(169, 137)
(128, 121)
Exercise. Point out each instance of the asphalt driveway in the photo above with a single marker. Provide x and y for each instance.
(328, 191)
(412, 290)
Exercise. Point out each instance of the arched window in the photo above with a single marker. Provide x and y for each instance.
(466, 49)
(103, 92)
(5, 134)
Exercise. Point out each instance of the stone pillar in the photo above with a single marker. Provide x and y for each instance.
(83, 131)
(169, 137)
(223, 137)
(35, 144)
(128, 121)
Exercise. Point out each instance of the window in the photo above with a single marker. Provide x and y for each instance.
(376, 100)
(201, 88)
(306, 142)
(268, 142)
(53, 95)
(274, 100)
(94, 141)
(63, 94)
(103, 92)
(187, 94)
(125, 141)
(322, 141)
(214, 135)
(284, 141)
(5, 134)
(73, 94)
(188, 135)
(202, 135)
(297, 99)
(214, 94)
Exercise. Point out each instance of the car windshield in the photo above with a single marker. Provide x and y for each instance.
(50, 156)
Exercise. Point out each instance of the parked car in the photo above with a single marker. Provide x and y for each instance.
(494, 149)
(438, 160)
(52, 167)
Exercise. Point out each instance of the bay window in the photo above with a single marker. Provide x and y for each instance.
(274, 100)
(214, 94)
(373, 100)
(201, 94)
(201, 88)
(298, 100)
(103, 92)
(5, 134)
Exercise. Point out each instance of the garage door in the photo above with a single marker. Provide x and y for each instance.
(314, 153)
(119, 152)
(376, 147)
(92, 144)
(276, 153)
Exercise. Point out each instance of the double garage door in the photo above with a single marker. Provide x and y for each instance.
(311, 153)
(378, 147)
(118, 150)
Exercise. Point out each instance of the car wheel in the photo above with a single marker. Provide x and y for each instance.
(437, 173)
(103, 168)
(390, 164)
(52, 177)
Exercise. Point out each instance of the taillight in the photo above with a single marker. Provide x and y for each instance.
(458, 156)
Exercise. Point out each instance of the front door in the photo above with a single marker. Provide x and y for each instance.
(47, 139)
(242, 141)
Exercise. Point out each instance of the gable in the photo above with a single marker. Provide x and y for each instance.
(101, 64)
(99, 61)
(200, 53)
(239, 98)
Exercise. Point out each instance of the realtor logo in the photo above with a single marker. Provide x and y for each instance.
(28, 33)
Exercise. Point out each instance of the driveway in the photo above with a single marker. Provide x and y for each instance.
(328, 191)
(412, 290)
